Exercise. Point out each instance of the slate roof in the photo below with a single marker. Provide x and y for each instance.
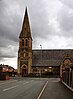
(52, 57)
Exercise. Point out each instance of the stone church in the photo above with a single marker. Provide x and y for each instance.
(38, 62)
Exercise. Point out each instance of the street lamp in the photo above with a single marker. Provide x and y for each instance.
(41, 53)
(41, 58)
(41, 46)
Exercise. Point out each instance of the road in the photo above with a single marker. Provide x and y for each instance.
(34, 88)
(24, 88)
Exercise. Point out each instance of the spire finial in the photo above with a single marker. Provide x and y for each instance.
(26, 11)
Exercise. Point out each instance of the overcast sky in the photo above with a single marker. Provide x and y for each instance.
(51, 23)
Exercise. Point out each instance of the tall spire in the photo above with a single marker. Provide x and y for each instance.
(26, 20)
(26, 14)
(26, 26)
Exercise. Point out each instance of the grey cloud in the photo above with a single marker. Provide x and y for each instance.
(8, 52)
(65, 19)
(68, 3)
(38, 18)
(10, 21)
(6, 55)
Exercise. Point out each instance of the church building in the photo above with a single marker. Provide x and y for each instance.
(38, 62)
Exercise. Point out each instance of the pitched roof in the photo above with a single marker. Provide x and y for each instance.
(52, 57)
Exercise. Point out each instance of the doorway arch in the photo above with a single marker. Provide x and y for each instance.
(24, 70)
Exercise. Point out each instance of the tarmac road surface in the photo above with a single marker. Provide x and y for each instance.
(25, 88)
(34, 88)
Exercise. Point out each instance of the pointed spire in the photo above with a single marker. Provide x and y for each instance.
(26, 14)
(25, 32)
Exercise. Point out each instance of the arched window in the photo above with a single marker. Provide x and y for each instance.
(22, 42)
(26, 42)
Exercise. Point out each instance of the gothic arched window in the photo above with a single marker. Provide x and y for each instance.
(22, 42)
(26, 42)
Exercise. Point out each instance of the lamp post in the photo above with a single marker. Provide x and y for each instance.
(41, 60)
(41, 53)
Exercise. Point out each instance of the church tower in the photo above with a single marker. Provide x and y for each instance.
(25, 48)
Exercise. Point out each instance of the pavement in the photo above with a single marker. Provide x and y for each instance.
(56, 90)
